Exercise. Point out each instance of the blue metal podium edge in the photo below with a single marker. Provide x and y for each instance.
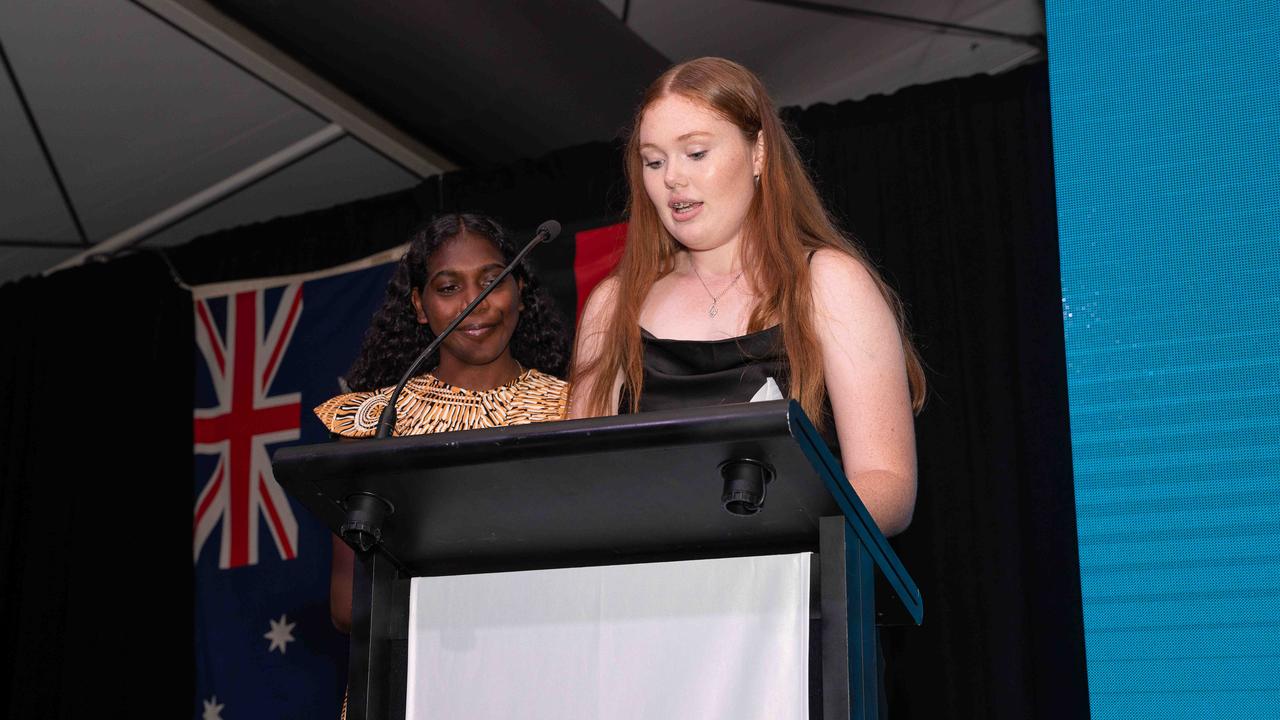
(855, 513)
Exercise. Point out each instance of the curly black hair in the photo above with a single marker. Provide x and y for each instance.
(395, 337)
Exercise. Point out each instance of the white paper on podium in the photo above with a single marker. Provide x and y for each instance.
(726, 638)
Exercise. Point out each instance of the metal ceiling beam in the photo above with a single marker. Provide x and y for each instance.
(177, 213)
(44, 147)
(210, 27)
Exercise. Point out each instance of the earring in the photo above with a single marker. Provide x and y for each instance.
(757, 180)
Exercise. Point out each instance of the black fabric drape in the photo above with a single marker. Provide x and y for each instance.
(95, 493)
(949, 187)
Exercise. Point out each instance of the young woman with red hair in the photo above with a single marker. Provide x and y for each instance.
(735, 284)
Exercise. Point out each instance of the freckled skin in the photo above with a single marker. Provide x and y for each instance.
(692, 153)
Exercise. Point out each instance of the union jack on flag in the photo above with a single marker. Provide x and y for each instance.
(243, 362)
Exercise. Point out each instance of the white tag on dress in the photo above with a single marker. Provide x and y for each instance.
(768, 391)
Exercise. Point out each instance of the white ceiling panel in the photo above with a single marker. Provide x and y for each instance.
(30, 206)
(806, 57)
(138, 116)
(828, 67)
(343, 172)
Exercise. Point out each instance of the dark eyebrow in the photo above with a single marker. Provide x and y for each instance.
(451, 271)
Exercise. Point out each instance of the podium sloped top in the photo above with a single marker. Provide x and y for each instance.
(598, 491)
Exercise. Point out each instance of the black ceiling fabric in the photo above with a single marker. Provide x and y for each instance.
(482, 81)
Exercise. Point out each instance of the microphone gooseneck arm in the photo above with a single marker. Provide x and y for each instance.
(547, 232)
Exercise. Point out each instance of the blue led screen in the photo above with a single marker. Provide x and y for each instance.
(1166, 129)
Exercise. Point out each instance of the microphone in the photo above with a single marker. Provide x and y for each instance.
(547, 232)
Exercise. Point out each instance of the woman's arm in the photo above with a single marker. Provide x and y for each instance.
(591, 333)
(340, 575)
(866, 379)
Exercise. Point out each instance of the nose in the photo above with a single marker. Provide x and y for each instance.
(473, 291)
(673, 176)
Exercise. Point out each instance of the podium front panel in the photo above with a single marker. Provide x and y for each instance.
(715, 638)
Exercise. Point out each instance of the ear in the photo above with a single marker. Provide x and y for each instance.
(416, 295)
(757, 155)
(520, 292)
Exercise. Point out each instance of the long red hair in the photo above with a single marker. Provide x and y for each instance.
(785, 222)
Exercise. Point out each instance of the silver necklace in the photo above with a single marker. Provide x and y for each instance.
(712, 311)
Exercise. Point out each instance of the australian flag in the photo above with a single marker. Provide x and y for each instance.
(267, 352)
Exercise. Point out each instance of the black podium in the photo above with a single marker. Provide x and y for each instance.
(650, 487)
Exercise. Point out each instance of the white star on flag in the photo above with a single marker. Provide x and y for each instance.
(280, 634)
(212, 709)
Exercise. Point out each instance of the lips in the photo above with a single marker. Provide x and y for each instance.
(476, 330)
(683, 210)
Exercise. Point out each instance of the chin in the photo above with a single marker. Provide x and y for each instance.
(697, 241)
(683, 235)
(483, 359)
(477, 356)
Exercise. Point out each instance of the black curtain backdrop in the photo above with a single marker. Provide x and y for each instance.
(950, 188)
(95, 493)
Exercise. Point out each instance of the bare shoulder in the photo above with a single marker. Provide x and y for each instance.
(599, 305)
(592, 333)
(842, 283)
(593, 323)
(604, 290)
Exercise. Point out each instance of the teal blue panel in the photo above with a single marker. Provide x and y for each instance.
(1166, 128)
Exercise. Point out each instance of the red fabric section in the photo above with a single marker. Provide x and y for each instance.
(241, 451)
(203, 310)
(596, 252)
(208, 498)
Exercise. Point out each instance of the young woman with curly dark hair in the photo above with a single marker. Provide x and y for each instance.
(397, 333)
(496, 369)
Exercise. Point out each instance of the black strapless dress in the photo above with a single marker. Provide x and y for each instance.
(699, 373)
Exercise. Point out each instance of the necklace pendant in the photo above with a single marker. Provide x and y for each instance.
(712, 311)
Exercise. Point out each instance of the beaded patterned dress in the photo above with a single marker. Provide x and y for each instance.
(428, 405)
